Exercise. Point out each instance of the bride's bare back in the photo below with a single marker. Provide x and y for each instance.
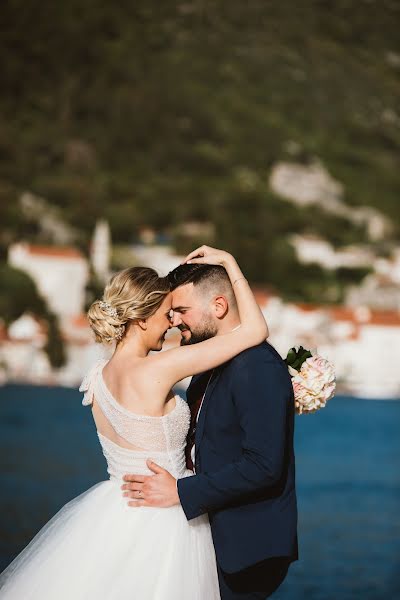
(128, 437)
(125, 390)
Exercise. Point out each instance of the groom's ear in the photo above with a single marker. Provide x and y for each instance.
(221, 306)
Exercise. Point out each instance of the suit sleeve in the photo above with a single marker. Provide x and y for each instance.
(261, 393)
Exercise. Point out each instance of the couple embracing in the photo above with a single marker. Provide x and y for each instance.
(207, 508)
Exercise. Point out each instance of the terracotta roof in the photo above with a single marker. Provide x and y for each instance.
(76, 341)
(3, 332)
(308, 307)
(261, 297)
(387, 318)
(355, 334)
(80, 321)
(342, 313)
(54, 251)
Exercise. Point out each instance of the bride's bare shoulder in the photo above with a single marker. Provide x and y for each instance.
(153, 374)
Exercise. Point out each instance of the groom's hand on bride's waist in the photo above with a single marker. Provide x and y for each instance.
(158, 490)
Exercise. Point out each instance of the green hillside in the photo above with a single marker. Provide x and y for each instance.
(153, 113)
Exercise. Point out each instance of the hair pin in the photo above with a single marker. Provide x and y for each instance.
(110, 310)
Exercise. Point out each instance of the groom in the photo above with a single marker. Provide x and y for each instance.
(240, 444)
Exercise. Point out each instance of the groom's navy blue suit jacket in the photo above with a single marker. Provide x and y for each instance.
(245, 471)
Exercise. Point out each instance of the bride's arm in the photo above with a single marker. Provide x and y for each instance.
(189, 360)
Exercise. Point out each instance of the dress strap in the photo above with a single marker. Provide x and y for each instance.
(87, 385)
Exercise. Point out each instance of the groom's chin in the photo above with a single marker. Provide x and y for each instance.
(186, 336)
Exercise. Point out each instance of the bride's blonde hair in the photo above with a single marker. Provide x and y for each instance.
(132, 294)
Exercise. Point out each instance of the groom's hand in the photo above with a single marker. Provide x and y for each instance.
(158, 490)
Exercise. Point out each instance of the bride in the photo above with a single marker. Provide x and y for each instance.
(96, 547)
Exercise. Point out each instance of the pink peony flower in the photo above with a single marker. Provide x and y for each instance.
(314, 384)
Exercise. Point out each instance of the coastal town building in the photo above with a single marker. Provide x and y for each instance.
(313, 249)
(60, 274)
(22, 357)
(363, 344)
(363, 341)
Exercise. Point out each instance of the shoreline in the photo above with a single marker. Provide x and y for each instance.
(342, 390)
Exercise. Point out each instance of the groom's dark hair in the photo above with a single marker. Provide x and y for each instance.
(212, 278)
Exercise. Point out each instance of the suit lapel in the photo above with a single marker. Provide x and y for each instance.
(203, 409)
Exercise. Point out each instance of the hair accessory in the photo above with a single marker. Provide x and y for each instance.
(110, 310)
(119, 332)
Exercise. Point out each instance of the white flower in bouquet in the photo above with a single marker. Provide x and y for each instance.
(313, 379)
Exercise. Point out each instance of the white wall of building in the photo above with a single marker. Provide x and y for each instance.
(60, 279)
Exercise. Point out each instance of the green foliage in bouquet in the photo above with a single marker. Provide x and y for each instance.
(296, 356)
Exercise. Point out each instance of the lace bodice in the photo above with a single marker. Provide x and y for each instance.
(162, 439)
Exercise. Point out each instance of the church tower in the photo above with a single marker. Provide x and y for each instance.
(101, 250)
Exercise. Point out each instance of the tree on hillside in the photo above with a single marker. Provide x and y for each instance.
(19, 295)
(54, 346)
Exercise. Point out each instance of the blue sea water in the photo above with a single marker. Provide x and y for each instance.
(348, 481)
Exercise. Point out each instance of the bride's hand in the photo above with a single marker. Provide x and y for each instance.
(209, 256)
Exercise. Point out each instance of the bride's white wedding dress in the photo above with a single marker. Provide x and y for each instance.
(98, 548)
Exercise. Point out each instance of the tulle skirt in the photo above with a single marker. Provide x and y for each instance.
(98, 548)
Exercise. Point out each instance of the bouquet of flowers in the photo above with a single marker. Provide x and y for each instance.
(313, 379)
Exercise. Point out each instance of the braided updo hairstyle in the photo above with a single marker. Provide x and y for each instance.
(132, 294)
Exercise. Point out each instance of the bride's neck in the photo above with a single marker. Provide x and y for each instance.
(132, 345)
